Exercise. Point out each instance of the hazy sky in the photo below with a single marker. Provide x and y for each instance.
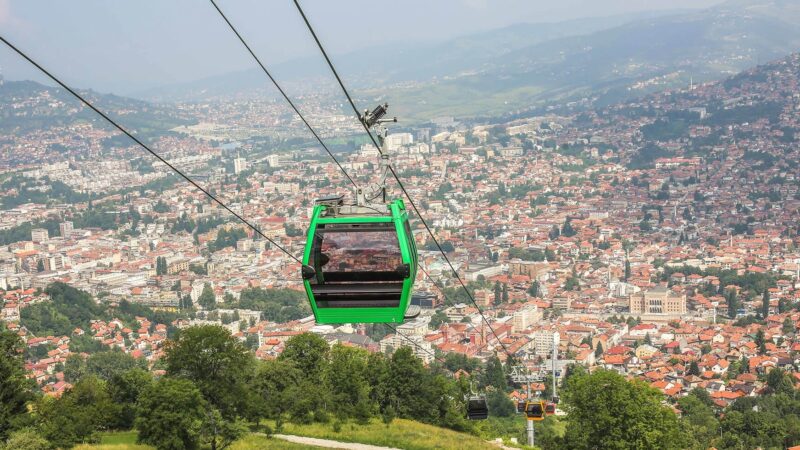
(125, 46)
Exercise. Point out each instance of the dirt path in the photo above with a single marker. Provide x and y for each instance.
(326, 443)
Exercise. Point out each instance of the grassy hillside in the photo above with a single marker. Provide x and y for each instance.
(405, 434)
(127, 441)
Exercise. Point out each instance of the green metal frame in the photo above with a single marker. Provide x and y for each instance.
(408, 252)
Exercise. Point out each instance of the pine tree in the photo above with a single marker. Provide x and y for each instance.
(207, 300)
(554, 233)
(765, 304)
(761, 342)
(788, 326)
(505, 293)
(733, 303)
(694, 369)
(627, 269)
(533, 290)
(567, 230)
(599, 350)
(497, 293)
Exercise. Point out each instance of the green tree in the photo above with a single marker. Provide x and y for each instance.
(125, 389)
(534, 289)
(207, 299)
(438, 318)
(498, 293)
(219, 433)
(761, 342)
(15, 389)
(788, 326)
(74, 368)
(499, 404)
(554, 233)
(105, 365)
(765, 304)
(218, 364)
(606, 411)
(347, 381)
(699, 417)
(572, 283)
(733, 303)
(694, 369)
(26, 439)
(309, 353)
(598, 351)
(271, 386)
(780, 382)
(170, 415)
(416, 393)
(494, 375)
(78, 415)
(567, 230)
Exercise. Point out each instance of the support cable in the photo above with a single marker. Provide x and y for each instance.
(149, 150)
(283, 93)
(394, 174)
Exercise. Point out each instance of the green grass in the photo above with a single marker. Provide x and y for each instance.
(118, 438)
(405, 434)
(126, 440)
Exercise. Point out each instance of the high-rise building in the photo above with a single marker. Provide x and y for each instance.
(544, 340)
(524, 317)
(65, 228)
(239, 164)
(394, 141)
(39, 235)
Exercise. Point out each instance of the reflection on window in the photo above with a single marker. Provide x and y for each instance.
(358, 251)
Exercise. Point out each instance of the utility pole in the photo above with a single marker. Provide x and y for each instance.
(529, 429)
(531, 434)
(556, 340)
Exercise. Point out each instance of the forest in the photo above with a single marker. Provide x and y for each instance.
(213, 391)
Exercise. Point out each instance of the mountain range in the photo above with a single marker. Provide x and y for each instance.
(527, 65)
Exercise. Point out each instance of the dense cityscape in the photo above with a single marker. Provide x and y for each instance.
(657, 238)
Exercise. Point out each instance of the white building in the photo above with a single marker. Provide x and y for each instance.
(525, 317)
(239, 165)
(397, 140)
(39, 235)
(417, 343)
(65, 228)
(543, 342)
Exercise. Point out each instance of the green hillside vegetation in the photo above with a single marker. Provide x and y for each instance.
(278, 305)
(214, 393)
(126, 440)
(400, 433)
(71, 308)
(144, 119)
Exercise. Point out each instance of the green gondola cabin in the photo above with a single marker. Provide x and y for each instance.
(359, 263)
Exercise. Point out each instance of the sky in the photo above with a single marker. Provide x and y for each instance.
(125, 46)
